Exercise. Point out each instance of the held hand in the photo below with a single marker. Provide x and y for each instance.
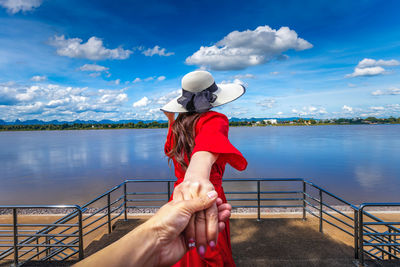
(159, 241)
(171, 220)
(203, 227)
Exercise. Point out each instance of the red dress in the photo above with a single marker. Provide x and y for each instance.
(212, 135)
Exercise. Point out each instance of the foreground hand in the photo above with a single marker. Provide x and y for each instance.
(203, 227)
(159, 241)
(171, 220)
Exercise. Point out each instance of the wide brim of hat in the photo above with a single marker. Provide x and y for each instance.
(226, 93)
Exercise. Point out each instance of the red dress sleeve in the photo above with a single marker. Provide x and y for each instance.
(212, 135)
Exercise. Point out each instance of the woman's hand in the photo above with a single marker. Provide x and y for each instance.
(202, 230)
(170, 116)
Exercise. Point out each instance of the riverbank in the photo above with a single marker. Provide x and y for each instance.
(58, 126)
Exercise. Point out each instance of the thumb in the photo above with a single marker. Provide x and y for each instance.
(201, 203)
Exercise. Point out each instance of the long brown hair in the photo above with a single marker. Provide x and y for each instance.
(184, 133)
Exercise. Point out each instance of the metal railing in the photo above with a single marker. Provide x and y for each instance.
(64, 239)
(378, 239)
(39, 243)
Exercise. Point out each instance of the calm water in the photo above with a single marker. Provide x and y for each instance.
(358, 163)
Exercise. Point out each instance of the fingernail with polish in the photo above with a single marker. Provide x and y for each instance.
(212, 245)
(212, 194)
(201, 251)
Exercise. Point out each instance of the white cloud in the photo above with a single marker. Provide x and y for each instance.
(244, 76)
(310, 111)
(30, 94)
(168, 97)
(114, 97)
(93, 49)
(151, 78)
(372, 67)
(43, 101)
(237, 81)
(267, 103)
(117, 81)
(274, 73)
(368, 62)
(93, 67)
(377, 108)
(35, 108)
(346, 108)
(15, 6)
(58, 102)
(371, 71)
(38, 78)
(391, 91)
(95, 74)
(239, 50)
(156, 50)
(141, 103)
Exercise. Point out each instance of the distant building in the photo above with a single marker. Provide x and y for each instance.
(271, 121)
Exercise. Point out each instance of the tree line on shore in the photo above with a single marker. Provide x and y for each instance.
(155, 124)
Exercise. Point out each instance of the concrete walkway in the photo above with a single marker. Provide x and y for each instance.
(270, 242)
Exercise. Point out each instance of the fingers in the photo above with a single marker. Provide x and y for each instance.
(221, 226)
(224, 212)
(190, 233)
(212, 225)
(200, 203)
(224, 206)
(201, 239)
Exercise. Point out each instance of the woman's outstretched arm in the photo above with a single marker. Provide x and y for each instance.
(203, 227)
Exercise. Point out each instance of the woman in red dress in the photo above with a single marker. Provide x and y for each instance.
(198, 144)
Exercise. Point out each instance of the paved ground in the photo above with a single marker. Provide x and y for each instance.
(270, 242)
(277, 240)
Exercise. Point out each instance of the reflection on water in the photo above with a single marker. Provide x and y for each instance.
(359, 163)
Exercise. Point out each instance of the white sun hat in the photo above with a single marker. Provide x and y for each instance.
(200, 93)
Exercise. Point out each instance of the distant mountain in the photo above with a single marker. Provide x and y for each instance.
(56, 122)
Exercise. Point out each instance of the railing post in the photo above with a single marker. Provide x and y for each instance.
(109, 212)
(304, 200)
(390, 241)
(361, 236)
(169, 190)
(47, 247)
(80, 234)
(356, 255)
(15, 231)
(320, 211)
(125, 211)
(37, 249)
(258, 202)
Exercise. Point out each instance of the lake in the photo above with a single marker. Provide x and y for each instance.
(360, 163)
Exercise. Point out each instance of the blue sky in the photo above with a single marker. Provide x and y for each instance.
(70, 59)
